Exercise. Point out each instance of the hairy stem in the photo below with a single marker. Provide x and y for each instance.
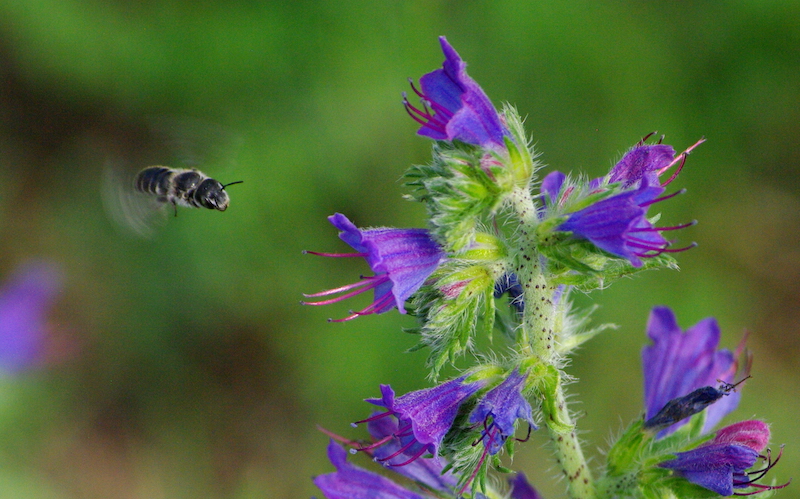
(537, 338)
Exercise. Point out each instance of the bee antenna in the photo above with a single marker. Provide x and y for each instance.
(237, 182)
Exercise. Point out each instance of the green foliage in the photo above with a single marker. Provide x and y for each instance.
(459, 188)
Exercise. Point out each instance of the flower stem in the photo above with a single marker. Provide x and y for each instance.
(537, 339)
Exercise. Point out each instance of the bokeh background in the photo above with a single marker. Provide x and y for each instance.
(184, 366)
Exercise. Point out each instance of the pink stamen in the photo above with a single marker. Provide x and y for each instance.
(413, 458)
(377, 305)
(475, 471)
(414, 88)
(679, 250)
(366, 311)
(335, 255)
(444, 112)
(400, 451)
(365, 284)
(660, 229)
(641, 142)
(645, 245)
(527, 437)
(338, 438)
(663, 198)
(375, 445)
(682, 158)
(372, 418)
(424, 118)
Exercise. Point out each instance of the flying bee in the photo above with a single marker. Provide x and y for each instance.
(190, 188)
(139, 200)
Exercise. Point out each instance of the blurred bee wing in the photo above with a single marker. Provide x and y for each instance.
(135, 213)
(195, 143)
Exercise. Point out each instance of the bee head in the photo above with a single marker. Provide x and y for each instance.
(211, 194)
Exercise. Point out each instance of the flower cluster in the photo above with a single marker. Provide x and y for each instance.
(495, 228)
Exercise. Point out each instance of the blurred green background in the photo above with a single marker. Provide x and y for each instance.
(183, 365)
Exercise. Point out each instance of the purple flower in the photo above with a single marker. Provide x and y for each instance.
(521, 489)
(619, 225)
(425, 471)
(455, 107)
(678, 363)
(426, 415)
(352, 482)
(24, 301)
(551, 186)
(720, 465)
(648, 160)
(402, 260)
(504, 404)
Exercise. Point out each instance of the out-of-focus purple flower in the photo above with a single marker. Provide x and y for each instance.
(499, 409)
(648, 160)
(455, 107)
(425, 471)
(619, 225)
(426, 415)
(678, 363)
(720, 465)
(521, 489)
(24, 301)
(402, 260)
(352, 482)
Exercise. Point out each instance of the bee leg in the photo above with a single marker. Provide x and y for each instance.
(175, 207)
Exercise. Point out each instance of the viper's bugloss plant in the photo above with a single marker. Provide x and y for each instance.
(502, 250)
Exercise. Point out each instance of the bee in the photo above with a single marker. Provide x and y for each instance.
(189, 188)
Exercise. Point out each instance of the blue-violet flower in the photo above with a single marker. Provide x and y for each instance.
(678, 363)
(455, 107)
(402, 260)
(720, 465)
(427, 415)
(619, 225)
(499, 409)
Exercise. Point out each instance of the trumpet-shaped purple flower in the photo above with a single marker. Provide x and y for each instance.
(499, 409)
(455, 107)
(678, 363)
(426, 415)
(619, 225)
(648, 160)
(721, 464)
(24, 300)
(352, 482)
(402, 260)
